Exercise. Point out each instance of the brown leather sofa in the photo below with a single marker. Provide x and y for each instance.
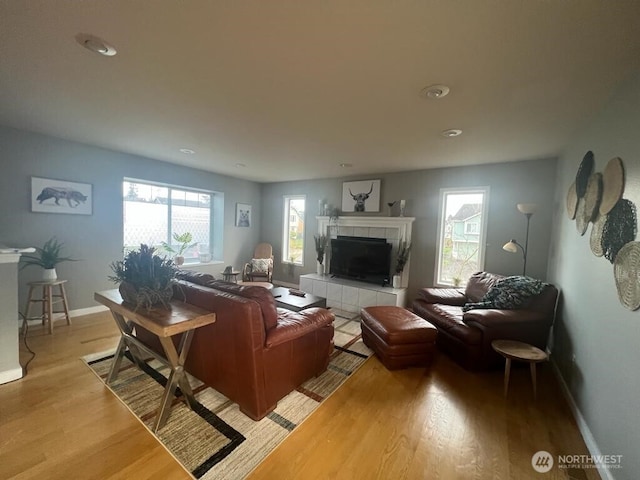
(467, 336)
(255, 353)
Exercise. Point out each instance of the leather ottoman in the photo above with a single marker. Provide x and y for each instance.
(399, 338)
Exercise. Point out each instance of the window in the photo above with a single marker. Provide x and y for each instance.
(293, 234)
(461, 234)
(153, 213)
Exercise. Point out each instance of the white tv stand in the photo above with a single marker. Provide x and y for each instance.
(350, 295)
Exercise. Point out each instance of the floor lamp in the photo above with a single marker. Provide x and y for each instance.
(528, 209)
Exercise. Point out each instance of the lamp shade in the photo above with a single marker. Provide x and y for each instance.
(511, 246)
(527, 208)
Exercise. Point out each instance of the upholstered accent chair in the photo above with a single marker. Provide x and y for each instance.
(260, 268)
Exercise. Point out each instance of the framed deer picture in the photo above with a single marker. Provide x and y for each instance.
(361, 196)
(61, 196)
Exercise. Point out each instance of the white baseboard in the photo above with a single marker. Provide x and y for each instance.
(587, 436)
(87, 311)
(286, 284)
(10, 375)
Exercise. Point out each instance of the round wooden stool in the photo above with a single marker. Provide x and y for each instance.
(514, 350)
(48, 301)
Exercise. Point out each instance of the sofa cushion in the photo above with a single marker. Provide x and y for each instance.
(260, 295)
(509, 293)
(449, 319)
(479, 284)
(450, 296)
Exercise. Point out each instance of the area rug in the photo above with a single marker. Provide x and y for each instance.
(218, 441)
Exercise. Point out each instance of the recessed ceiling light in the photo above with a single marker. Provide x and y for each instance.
(240, 165)
(96, 44)
(435, 91)
(346, 165)
(452, 132)
(187, 151)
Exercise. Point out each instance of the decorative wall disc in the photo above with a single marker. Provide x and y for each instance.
(619, 229)
(626, 269)
(595, 240)
(612, 184)
(572, 201)
(584, 172)
(593, 195)
(582, 220)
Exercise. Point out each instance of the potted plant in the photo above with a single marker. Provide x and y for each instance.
(47, 257)
(146, 279)
(184, 242)
(404, 248)
(321, 245)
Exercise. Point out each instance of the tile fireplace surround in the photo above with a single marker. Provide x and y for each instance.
(393, 229)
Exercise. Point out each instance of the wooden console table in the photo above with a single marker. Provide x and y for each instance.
(182, 318)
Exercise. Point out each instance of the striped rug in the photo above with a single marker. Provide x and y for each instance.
(218, 441)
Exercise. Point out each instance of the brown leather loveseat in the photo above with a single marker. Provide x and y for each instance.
(467, 336)
(255, 353)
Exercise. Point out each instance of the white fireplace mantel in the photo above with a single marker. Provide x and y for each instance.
(393, 229)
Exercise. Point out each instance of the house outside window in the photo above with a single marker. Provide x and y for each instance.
(153, 213)
(293, 231)
(461, 234)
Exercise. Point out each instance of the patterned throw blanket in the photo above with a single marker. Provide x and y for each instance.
(509, 293)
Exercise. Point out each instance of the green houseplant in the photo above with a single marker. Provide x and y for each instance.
(321, 245)
(184, 242)
(47, 257)
(146, 279)
(404, 248)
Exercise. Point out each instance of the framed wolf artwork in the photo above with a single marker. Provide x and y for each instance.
(361, 196)
(61, 196)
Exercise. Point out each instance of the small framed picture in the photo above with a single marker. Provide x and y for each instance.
(243, 215)
(361, 196)
(61, 196)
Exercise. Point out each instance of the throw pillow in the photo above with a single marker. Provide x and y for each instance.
(260, 265)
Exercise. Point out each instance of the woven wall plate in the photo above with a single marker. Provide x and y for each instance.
(612, 184)
(593, 195)
(619, 229)
(584, 172)
(595, 239)
(572, 201)
(626, 269)
(582, 219)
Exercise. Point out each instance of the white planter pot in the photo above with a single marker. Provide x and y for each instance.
(49, 275)
(397, 281)
(320, 268)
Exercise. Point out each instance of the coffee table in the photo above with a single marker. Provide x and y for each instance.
(292, 302)
(514, 350)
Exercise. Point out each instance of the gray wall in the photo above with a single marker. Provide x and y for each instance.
(97, 239)
(512, 183)
(593, 325)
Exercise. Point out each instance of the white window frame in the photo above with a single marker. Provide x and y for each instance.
(485, 190)
(286, 227)
(170, 187)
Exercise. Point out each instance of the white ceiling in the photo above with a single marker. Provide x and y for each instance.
(291, 89)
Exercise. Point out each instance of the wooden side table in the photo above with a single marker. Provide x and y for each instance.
(514, 350)
(48, 300)
(182, 318)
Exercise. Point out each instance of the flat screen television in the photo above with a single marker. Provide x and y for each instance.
(361, 258)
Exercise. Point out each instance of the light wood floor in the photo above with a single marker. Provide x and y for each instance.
(61, 422)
